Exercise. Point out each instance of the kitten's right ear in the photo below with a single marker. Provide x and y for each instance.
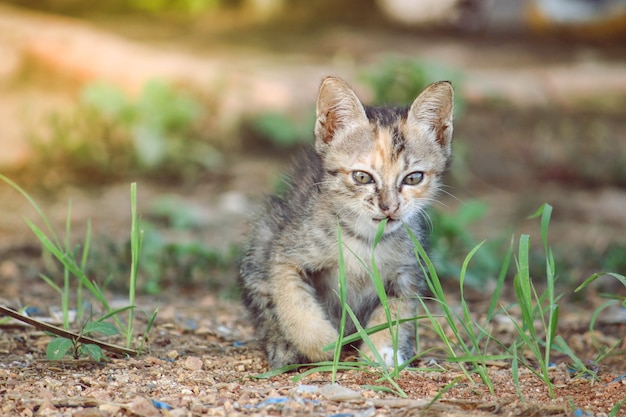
(337, 107)
(431, 113)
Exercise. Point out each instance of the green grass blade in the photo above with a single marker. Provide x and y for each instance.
(620, 278)
(617, 407)
(355, 337)
(151, 320)
(51, 283)
(515, 375)
(83, 264)
(343, 300)
(495, 298)
(442, 391)
(65, 295)
(467, 320)
(136, 236)
(32, 202)
(578, 363)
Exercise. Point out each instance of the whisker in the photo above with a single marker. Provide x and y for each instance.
(442, 189)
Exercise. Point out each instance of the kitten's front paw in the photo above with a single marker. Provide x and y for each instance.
(311, 340)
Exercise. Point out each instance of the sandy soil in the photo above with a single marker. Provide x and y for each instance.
(202, 358)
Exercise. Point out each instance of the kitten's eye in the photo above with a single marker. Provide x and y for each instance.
(362, 177)
(413, 178)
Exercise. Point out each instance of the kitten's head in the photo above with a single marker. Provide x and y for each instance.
(382, 162)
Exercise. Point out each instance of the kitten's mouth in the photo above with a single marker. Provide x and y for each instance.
(390, 220)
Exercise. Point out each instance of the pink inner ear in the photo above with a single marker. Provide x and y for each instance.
(329, 125)
(442, 134)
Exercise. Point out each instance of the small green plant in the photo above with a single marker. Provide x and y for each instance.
(191, 7)
(399, 80)
(466, 345)
(613, 299)
(284, 131)
(450, 240)
(74, 273)
(109, 135)
(60, 346)
(182, 262)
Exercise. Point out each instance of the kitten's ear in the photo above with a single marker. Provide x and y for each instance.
(337, 107)
(431, 113)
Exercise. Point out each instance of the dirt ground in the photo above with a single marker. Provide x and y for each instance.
(544, 122)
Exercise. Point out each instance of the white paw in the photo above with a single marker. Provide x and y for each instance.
(387, 354)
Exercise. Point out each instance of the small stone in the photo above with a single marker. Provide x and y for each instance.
(193, 363)
(109, 409)
(143, 408)
(46, 409)
(309, 389)
(172, 354)
(336, 392)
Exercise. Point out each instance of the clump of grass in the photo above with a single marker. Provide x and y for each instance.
(110, 135)
(613, 299)
(397, 79)
(281, 130)
(464, 340)
(450, 240)
(74, 262)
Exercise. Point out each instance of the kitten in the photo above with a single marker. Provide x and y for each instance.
(368, 164)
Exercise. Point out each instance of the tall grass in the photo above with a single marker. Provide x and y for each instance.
(466, 341)
(74, 262)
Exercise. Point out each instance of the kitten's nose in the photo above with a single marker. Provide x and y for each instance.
(388, 209)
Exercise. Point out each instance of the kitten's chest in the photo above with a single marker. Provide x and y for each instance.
(360, 262)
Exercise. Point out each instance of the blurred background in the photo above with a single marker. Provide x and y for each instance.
(204, 102)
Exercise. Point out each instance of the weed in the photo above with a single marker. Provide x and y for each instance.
(450, 239)
(400, 79)
(466, 341)
(613, 300)
(74, 268)
(109, 135)
(60, 346)
(458, 349)
(192, 7)
(283, 131)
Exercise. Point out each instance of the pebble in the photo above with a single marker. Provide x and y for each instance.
(109, 409)
(336, 392)
(193, 363)
(143, 408)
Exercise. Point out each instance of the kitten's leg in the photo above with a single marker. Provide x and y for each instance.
(302, 319)
(383, 341)
(278, 350)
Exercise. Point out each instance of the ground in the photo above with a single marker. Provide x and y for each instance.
(534, 129)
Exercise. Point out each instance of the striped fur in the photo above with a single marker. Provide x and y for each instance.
(290, 265)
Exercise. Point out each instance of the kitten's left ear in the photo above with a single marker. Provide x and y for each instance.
(431, 112)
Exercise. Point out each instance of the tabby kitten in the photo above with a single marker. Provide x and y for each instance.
(368, 164)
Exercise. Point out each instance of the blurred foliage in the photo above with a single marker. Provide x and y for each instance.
(169, 261)
(451, 240)
(189, 264)
(174, 255)
(187, 6)
(109, 136)
(282, 130)
(399, 80)
(119, 6)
